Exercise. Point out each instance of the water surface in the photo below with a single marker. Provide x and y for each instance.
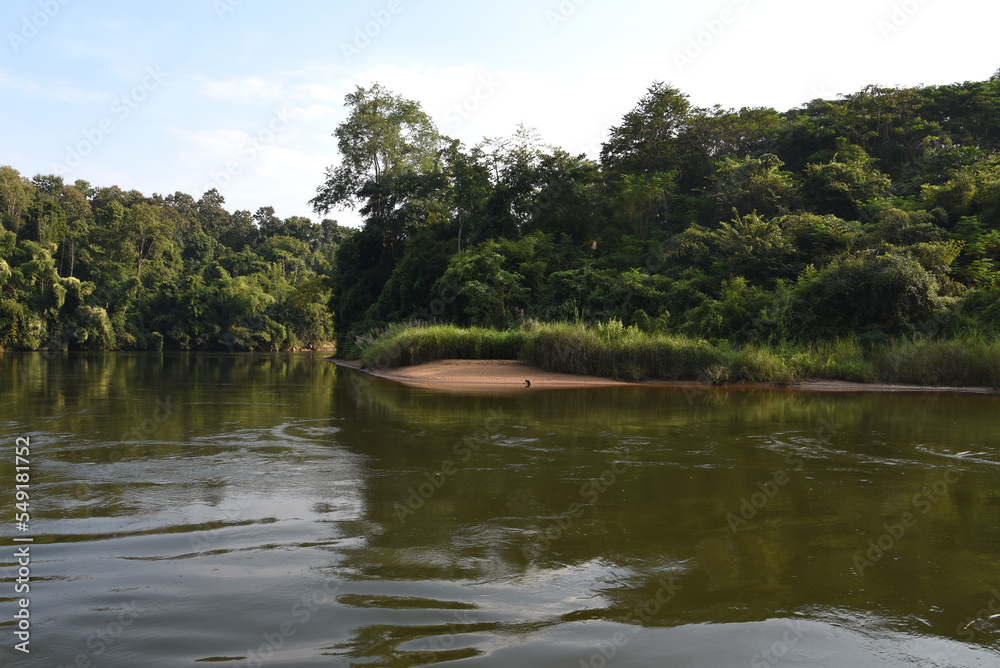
(277, 510)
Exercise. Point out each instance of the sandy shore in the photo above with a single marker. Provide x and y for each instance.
(510, 374)
(484, 374)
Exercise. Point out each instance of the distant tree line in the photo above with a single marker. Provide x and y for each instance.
(84, 268)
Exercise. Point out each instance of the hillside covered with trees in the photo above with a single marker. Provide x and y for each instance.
(874, 218)
(84, 268)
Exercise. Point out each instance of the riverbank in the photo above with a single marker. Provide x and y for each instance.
(612, 352)
(491, 375)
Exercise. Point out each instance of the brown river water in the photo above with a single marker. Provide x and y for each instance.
(275, 510)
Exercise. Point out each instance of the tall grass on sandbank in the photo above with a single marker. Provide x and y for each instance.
(612, 350)
(608, 350)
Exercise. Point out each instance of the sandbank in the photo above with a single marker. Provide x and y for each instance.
(473, 375)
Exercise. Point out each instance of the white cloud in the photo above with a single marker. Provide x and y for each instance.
(254, 88)
(58, 91)
(322, 93)
(312, 111)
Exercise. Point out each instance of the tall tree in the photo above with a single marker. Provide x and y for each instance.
(16, 195)
(214, 218)
(385, 137)
(649, 137)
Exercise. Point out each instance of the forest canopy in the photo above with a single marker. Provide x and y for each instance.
(876, 216)
(85, 268)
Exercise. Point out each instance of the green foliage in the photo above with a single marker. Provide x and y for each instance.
(609, 349)
(742, 313)
(384, 138)
(754, 248)
(819, 239)
(490, 294)
(409, 292)
(587, 295)
(643, 202)
(122, 271)
(648, 139)
(754, 185)
(798, 242)
(16, 196)
(405, 345)
(844, 185)
(980, 251)
(970, 359)
(875, 292)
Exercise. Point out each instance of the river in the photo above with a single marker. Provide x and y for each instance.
(246, 510)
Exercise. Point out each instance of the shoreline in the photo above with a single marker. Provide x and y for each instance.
(492, 375)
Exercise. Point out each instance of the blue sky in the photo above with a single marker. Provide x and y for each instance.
(243, 95)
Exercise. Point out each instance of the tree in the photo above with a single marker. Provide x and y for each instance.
(16, 195)
(214, 219)
(755, 248)
(241, 233)
(385, 137)
(267, 222)
(147, 235)
(570, 197)
(46, 223)
(754, 185)
(513, 166)
(47, 186)
(78, 222)
(649, 137)
(101, 197)
(489, 294)
(644, 200)
(719, 132)
(877, 291)
(845, 184)
(468, 185)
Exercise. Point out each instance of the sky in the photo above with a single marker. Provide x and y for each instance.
(244, 95)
